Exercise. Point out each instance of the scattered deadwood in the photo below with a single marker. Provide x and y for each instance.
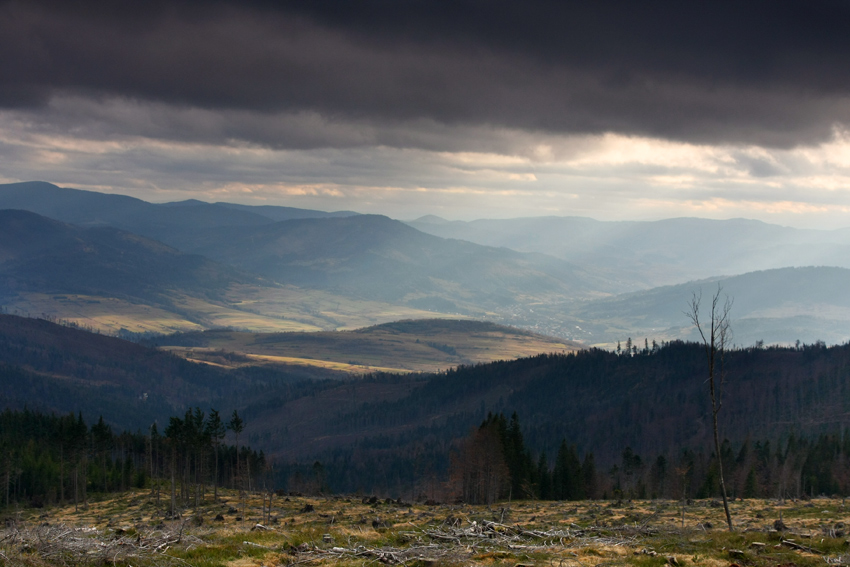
(453, 543)
(423, 554)
(420, 538)
(63, 545)
(797, 546)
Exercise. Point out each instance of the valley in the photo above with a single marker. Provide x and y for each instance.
(258, 308)
(373, 348)
(424, 284)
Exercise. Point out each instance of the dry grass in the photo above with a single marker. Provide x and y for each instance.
(215, 357)
(378, 348)
(132, 529)
(104, 314)
(323, 309)
(109, 315)
(258, 309)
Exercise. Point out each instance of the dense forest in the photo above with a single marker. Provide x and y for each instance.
(642, 414)
(49, 459)
(493, 463)
(57, 459)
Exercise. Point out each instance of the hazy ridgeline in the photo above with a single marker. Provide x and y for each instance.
(189, 266)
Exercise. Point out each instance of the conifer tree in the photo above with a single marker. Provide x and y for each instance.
(215, 430)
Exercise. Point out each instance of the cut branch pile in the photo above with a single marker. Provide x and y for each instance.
(64, 545)
(451, 542)
(388, 555)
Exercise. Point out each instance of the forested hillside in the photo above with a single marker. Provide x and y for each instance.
(38, 254)
(653, 401)
(49, 367)
(391, 433)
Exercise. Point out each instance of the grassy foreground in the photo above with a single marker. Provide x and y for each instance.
(132, 529)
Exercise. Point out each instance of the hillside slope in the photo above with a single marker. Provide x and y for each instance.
(112, 280)
(380, 429)
(420, 345)
(56, 368)
(656, 403)
(378, 258)
(38, 254)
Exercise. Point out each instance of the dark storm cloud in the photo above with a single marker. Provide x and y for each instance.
(770, 73)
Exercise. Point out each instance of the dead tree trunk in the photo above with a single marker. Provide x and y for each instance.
(715, 337)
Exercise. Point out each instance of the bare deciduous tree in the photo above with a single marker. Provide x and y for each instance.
(715, 335)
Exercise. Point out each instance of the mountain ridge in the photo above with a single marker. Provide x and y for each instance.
(654, 253)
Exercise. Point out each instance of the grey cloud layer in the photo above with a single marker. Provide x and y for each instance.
(417, 73)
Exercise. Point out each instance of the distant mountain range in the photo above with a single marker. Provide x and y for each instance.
(280, 268)
(361, 256)
(175, 224)
(774, 306)
(375, 257)
(38, 254)
(641, 255)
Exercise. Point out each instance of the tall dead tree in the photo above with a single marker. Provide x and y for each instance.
(715, 334)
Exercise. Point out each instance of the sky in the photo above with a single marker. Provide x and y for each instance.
(459, 108)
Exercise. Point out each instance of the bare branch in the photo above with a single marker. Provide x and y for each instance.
(715, 337)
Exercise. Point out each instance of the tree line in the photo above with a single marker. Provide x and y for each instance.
(59, 459)
(493, 464)
(52, 459)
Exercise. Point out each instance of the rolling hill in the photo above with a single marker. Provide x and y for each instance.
(379, 430)
(388, 429)
(38, 254)
(381, 259)
(51, 367)
(404, 346)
